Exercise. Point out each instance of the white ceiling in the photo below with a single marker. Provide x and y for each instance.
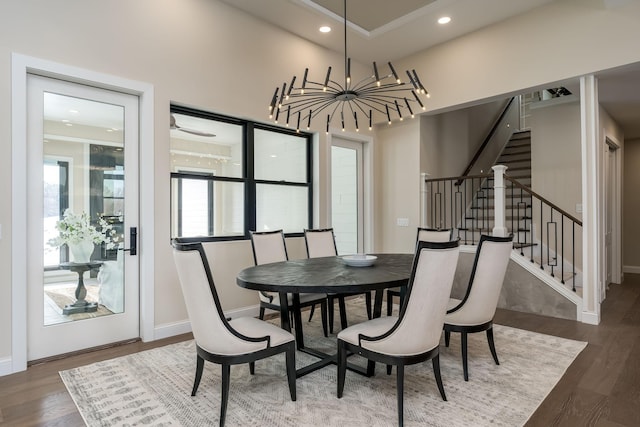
(383, 30)
(386, 30)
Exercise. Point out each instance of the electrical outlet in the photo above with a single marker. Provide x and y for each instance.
(578, 207)
(402, 222)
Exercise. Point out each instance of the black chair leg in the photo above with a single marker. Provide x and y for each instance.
(291, 370)
(330, 302)
(367, 302)
(465, 367)
(226, 374)
(343, 313)
(389, 304)
(492, 345)
(436, 372)
(313, 308)
(196, 381)
(252, 368)
(261, 315)
(447, 338)
(323, 312)
(371, 368)
(342, 368)
(400, 387)
(389, 368)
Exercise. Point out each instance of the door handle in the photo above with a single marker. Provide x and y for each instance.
(133, 241)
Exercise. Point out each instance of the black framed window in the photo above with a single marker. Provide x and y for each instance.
(230, 176)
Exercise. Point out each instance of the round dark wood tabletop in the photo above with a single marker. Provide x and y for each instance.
(327, 275)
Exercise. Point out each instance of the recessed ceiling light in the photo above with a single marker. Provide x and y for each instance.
(73, 111)
(444, 20)
(325, 29)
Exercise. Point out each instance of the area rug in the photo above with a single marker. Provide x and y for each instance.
(153, 387)
(60, 297)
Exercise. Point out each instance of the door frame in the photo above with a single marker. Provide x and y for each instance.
(21, 65)
(614, 210)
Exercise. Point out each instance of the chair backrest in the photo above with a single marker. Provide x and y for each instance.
(320, 242)
(419, 326)
(434, 235)
(483, 292)
(268, 246)
(210, 328)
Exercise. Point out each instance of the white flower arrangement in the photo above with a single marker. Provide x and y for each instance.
(76, 228)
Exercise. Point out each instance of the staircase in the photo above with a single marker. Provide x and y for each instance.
(516, 155)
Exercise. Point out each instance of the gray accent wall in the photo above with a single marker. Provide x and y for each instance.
(521, 291)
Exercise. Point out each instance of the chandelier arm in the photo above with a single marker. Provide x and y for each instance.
(373, 93)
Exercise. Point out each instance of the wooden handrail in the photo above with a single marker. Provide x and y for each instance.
(486, 140)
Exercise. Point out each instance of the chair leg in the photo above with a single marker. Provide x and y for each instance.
(226, 374)
(343, 313)
(342, 367)
(492, 345)
(261, 315)
(367, 302)
(465, 367)
(196, 381)
(447, 338)
(313, 308)
(436, 372)
(252, 368)
(400, 391)
(389, 368)
(323, 312)
(389, 304)
(291, 370)
(330, 301)
(371, 368)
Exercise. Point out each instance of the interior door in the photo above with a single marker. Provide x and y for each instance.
(83, 187)
(347, 201)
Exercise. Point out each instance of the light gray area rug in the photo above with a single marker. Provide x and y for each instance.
(153, 387)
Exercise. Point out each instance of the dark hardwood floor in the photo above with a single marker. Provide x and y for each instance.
(601, 388)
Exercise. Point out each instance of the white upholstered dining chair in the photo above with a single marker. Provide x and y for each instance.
(474, 313)
(268, 247)
(424, 235)
(322, 243)
(241, 340)
(414, 336)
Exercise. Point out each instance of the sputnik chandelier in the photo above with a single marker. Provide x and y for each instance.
(386, 95)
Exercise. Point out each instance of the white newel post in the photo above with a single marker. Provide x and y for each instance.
(499, 228)
(424, 199)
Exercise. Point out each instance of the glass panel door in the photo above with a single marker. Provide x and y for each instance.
(82, 147)
(346, 196)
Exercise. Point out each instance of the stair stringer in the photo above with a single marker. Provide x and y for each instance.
(552, 282)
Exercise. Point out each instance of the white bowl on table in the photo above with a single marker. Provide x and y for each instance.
(359, 260)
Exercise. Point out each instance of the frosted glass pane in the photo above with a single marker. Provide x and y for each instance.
(282, 207)
(344, 198)
(280, 157)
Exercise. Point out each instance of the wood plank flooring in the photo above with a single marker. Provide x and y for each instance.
(601, 388)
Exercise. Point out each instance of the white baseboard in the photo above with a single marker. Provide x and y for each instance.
(633, 269)
(6, 367)
(183, 327)
(590, 318)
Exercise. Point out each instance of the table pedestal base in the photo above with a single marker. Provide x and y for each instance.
(80, 307)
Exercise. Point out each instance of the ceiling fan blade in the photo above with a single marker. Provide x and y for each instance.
(173, 125)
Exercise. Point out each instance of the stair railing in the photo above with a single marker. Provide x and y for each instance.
(545, 233)
(544, 224)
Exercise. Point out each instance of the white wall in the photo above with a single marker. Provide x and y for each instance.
(206, 54)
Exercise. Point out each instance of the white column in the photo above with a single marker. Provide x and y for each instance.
(499, 210)
(424, 199)
(592, 250)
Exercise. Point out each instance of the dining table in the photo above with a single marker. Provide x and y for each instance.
(326, 275)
